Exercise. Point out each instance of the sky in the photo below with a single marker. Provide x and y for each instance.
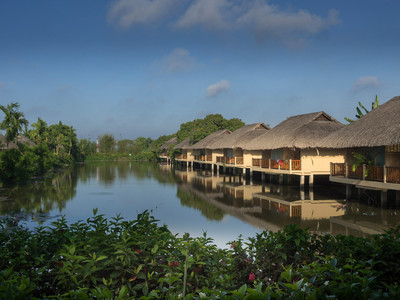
(142, 67)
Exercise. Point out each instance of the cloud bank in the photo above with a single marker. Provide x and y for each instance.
(218, 88)
(263, 20)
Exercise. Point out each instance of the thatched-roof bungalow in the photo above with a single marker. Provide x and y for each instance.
(229, 149)
(293, 146)
(186, 153)
(167, 145)
(375, 136)
(202, 151)
(13, 145)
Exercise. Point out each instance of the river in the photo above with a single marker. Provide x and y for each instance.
(191, 201)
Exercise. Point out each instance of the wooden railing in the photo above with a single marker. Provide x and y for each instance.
(179, 156)
(338, 169)
(392, 175)
(209, 157)
(185, 156)
(200, 157)
(265, 163)
(256, 162)
(230, 160)
(239, 160)
(296, 164)
(372, 173)
(277, 164)
(220, 159)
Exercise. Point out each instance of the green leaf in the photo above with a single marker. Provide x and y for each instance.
(242, 290)
(101, 257)
(124, 290)
(155, 248)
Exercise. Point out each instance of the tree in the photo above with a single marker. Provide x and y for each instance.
(40, 132)
(107, 143)
(13, 123)
(361, 107)
(198, 129)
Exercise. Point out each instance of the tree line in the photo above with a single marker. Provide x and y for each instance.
(34, 150)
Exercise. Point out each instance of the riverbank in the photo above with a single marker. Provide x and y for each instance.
(138, 258)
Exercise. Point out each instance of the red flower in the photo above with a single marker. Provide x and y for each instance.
(252, 276)
(233, 245)
(173, 264)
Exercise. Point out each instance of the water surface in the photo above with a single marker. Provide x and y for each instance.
(191, 201)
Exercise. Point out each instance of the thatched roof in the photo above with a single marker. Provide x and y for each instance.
(13, 145)
(380, 127)
(185, 144)
(210, 139)
(240, 137)
(173, 141)
(301, 131)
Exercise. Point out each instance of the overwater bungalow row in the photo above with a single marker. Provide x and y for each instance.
(288, 148)
(371, 147)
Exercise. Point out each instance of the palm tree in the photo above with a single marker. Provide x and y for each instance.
(13, 122)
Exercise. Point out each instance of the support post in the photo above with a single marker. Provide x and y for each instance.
(383, 198)
(311, 180)
(348, 191)
(301, 181)
(397, 198)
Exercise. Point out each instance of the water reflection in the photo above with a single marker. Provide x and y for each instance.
(193, 201)
(271, 206)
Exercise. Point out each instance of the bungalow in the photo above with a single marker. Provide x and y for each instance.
(164, 148)
(293, 147)
(201, 150)
(229, 149)
(13, 145)
(372, 150)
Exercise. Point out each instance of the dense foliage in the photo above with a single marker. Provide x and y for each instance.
(106, 259)
(198, 129)
(53, 146)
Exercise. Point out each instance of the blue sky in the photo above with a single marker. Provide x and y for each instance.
(142, 67)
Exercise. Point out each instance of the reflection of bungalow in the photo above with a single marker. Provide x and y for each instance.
(376, 136)
(202, 151)
(239, 191)
(229, 149)
(292, 147)
(165, 147)
(303, 209)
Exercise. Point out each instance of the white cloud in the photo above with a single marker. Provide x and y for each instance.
(258, 17)
(217, 88)
(127, 12)
(179, 60)
(263, 20)
(366, 82)
(205, 13)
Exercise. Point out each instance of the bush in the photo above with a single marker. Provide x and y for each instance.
(116, 258)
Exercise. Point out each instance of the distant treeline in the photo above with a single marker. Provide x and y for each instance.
(147, 149)
(27, 151)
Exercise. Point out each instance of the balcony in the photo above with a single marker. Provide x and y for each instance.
(380, 174)
(273, 164)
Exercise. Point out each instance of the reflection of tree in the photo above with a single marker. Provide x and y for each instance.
(208, 210)
(40, 196)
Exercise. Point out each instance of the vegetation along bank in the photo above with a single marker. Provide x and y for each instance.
(139, 259)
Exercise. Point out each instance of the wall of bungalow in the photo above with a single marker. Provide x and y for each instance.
(317, 160)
